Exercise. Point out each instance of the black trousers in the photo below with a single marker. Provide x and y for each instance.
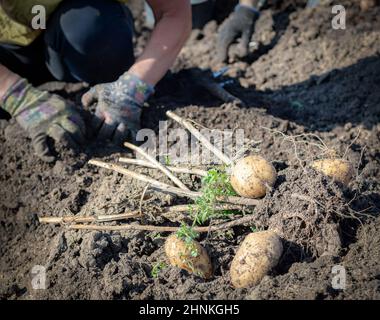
(85, 40)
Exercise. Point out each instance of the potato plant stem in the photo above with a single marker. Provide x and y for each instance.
(200, 137)
(143, 163)
(160, 186)
(129, 215)
(157, 165)
(226, 225)
(100, 218)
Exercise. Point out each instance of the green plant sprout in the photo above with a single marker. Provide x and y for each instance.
(156, 236)
(215, 184)
(167, 160)
(188, 235)
(229, 234)
(157, 268)
(253, 229)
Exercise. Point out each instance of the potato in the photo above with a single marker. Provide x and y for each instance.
(252, 175)
(257, 255)
(338, 169)
(365, 5)
(180, 255)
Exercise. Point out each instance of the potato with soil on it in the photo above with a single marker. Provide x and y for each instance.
(338, 169)
(256, 256)
(191, 257)
(252, 175)
(366, 5)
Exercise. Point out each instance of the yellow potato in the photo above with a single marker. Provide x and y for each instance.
(365, 5)
(252, 175)
(256, 256)
(180, 255)
(338, 169)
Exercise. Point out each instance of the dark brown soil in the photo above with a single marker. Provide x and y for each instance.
(303, 78)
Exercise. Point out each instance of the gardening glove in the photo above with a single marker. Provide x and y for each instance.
(42, 114)
(240, 22)
(119, 107)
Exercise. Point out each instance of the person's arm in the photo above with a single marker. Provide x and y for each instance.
(173, 26)
(119, 103)
(252, 3)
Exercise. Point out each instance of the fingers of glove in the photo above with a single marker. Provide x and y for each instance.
(56, 101)
(41, 147)
(59, 134)
(90, 97)
(244, 44)
(225, 38)
(133, 128)
(106, 131)
(121, 134)
(74, 126)
(97, 121)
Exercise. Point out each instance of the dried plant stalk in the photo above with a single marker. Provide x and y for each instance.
(157, 165)
(200, 137)
(143, 163)
(226, 225)
(100, 218)
(129, 215)
(155, 184)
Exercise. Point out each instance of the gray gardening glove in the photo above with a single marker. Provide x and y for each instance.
(240, 23)
(42, 114)
(119, 107)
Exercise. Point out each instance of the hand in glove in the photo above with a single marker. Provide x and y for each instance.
(42, 114)
(240, 22)
(119, 107)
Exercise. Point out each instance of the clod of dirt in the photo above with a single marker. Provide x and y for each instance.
(96, 250)
(306, 211)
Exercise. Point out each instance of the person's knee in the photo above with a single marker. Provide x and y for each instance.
(92, 39)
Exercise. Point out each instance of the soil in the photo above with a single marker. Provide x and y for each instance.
(302, 80)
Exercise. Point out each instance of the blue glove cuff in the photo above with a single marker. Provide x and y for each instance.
(254, 10)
